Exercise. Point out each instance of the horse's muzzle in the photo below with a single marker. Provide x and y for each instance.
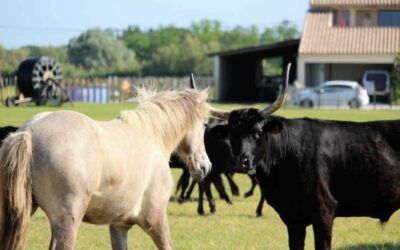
(200, 174)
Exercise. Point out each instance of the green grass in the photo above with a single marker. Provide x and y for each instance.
(233, 226)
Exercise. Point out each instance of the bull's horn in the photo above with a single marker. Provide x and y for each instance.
(282, 94)
(192, 82)
(222, 114)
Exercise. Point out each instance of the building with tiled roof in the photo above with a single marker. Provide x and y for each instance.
(342, 39)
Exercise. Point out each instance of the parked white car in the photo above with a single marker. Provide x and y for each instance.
(333, 93)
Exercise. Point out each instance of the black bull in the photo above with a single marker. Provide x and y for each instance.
(312, 171)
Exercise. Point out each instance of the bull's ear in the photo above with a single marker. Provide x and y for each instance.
(220, 132)
(273, 127)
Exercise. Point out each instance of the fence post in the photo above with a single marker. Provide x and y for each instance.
(94, 89)
(88, 85)
(82, 84)
(108, 87)
(101, 90)
(75, 90)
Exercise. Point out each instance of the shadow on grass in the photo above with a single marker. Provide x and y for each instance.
(379, 246)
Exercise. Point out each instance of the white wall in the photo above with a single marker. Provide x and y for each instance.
(303, 59)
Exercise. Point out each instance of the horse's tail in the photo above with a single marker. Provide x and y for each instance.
(15, 189)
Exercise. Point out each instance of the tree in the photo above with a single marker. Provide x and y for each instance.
(145, 43)
(188, 57)
(239, 37)
(99, 52)
(283, 31)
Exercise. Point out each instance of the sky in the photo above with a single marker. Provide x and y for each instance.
(54, 22)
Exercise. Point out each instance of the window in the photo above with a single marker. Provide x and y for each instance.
(272, 66)
(366, 18)
(342, 18)
(389, 18)
(336, 88)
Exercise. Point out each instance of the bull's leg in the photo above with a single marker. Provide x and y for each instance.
(189, 192)
(322, 226)
(297, 235)
(232, 184)
(323, 233)
(200, 208)
(253, 186)
(260, 203)
(210, 198)
(119, 237)
(184, 183)
(219, 185)
(322, 219)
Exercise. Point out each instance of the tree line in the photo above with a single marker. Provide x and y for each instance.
(163, 51)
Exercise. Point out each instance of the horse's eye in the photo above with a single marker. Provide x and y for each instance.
(256, 136)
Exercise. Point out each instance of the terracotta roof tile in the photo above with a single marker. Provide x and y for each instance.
(361, 3)
(320, 38)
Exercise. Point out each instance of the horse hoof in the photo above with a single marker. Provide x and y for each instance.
(235, 193)
(229, 202)
(201, 213)
(213, 210)
(259, 215)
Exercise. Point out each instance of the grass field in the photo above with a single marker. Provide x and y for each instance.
(233, 226)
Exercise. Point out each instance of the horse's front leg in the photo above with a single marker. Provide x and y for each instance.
(119, 237)
(153, 217)
(156, 225)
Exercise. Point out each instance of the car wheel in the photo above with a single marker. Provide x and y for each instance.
(306, 103)
(354, 104)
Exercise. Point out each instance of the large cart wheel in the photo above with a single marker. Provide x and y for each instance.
(39, 78)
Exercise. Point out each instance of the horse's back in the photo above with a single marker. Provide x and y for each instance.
(64, 150)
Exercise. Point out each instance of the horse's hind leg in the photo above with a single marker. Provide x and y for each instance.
(65, 213)
(64, 230)
(119, 237)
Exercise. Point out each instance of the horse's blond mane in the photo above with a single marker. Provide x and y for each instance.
(166, 116)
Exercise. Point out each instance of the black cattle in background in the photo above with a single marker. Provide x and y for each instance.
(4, 131)
(220, 156)
(183, 182)
(313, 170)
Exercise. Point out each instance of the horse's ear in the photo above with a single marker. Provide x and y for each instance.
(204, 94)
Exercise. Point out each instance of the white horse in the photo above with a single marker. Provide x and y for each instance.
(102, 172)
